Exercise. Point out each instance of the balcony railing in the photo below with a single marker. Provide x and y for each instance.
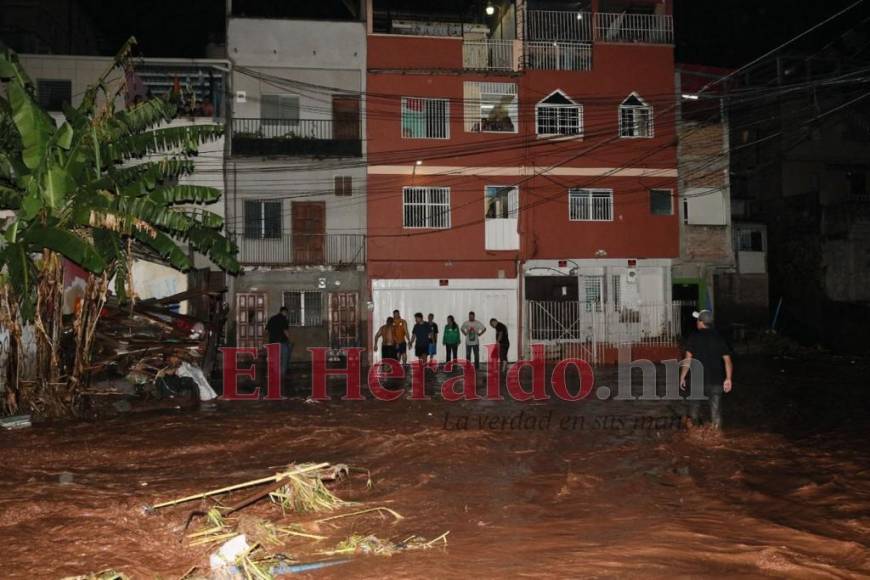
(640, 28)
(558, 25)
(302, 249)
(489, 55)
(317, 137)
(558, 55)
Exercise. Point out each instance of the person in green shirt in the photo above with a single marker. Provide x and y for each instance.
(451, 338)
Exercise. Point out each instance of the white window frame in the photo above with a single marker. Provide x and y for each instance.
(745, 234)
(474, 103)
(426, 101)
(633, 127)
(428, 207)
(303, 321)
(670, 197)
(558, 106)
(578, 192)
(513, 196)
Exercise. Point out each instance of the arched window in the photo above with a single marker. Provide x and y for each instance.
(635, 118)
(558, 115)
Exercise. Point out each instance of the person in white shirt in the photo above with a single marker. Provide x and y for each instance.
(473, 330)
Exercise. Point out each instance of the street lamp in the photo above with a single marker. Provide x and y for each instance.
(490, 9)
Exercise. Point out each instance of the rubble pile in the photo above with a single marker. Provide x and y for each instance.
(144, 347)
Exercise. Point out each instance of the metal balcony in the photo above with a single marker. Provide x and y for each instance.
(558, 55)
(296, 137)
(634, 28)
(496, 55)
(302, 249)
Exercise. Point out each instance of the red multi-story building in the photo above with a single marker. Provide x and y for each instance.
(523, 164)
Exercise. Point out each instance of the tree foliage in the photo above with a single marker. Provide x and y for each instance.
(96, 185)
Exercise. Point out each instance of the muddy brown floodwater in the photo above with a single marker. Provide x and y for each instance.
(600, 489)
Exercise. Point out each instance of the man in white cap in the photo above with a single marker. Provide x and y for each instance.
(713, 353)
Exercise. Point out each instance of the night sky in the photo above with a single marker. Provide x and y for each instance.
(719, 33)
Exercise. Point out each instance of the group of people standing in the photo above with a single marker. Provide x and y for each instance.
(396, 339)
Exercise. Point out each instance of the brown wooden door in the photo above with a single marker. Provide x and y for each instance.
(345, 117)
(309, 229)
(343, 316)
(251, 308)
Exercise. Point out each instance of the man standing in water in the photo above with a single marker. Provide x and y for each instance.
(278, 330)
(421, 336)
(472, 329)
(400, 335)
(712, 352)
(385, 334)
(502, 340)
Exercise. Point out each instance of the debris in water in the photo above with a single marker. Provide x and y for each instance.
(15, 422)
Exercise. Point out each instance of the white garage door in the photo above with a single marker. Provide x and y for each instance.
(491, 298)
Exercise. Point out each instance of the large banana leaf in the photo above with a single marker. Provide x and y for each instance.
(34, 125)
(166, 248)
(66, 243)
(166, 140)
(185, 194)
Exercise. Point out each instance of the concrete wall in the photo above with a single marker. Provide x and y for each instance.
(261, 42)
(742, 299)
(289, 181)
(274, 282)
(314, 60)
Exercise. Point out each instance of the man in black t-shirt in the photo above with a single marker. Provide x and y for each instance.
(278, 331)
(501, 338)
(714, 355)
(420, 337)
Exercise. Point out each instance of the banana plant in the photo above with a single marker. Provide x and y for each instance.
(95, 187)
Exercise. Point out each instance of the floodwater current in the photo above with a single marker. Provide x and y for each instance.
(592, 489)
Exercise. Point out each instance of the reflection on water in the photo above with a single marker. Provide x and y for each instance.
(591, 489)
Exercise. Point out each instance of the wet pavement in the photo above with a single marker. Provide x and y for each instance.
(590, 489)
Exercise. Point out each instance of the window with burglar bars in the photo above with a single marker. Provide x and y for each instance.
(426, 207)
(304, 307)
(491, 107)
(425, 118)
(593, 290)
(558, 115)
(343, 185)
(262, 219)
(635, 118)
(590, 205)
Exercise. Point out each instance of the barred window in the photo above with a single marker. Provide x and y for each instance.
(426, 207)
(558, 115)
(304, 307)
(491, 107)
(262, 219)
(425, 118)
(590, 205)
(593, 287)
(635, 118)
